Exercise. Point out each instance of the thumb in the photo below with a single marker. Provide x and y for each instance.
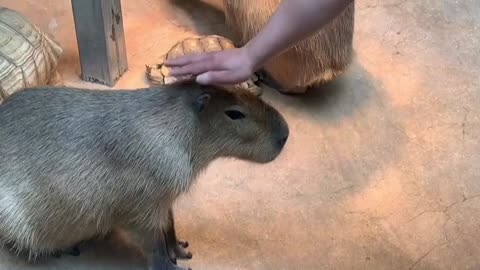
(204, 78)
(219, 77)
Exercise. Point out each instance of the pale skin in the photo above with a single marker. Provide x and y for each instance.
(292, 22)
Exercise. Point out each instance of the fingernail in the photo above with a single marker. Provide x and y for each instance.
(202, 78)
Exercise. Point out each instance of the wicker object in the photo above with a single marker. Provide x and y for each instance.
(28, 57)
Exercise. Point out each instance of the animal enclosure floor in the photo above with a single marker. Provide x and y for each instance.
(382, 168)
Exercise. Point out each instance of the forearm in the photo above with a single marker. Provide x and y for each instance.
(293, 21)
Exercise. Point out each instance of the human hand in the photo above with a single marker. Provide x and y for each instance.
(225, 67)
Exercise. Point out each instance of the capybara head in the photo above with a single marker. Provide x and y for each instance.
(240, 124)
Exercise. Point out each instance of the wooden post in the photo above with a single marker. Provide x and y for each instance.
(100, 40)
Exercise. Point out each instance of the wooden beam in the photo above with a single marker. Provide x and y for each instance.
(100, 40)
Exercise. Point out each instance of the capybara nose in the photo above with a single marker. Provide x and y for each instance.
(281, 133)
(283, 140)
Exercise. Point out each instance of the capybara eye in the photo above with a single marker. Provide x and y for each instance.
(234, 114)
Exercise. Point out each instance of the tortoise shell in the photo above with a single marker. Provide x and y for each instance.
(160, 74)
(28, 57)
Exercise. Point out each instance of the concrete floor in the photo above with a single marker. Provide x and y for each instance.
(382, 167)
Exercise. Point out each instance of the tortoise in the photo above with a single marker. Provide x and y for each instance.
(159, 73)
(28, 56)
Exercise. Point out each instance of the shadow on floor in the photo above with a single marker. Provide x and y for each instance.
(342, 98)
(356, 130)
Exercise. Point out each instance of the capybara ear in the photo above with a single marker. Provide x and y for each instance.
(201, 102)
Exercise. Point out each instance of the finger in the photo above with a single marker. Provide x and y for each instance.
(193, 68)
(219, 77)
(186, 59)
(178, 80)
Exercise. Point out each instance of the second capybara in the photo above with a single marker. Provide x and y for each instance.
(318, 59)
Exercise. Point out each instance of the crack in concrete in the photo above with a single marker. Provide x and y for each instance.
(344, 189)
(426, 254)
(445, 209)
(424, 212)
(445, 230)
(464, 123)
(463, 200)
(387, 31)
(425, 36)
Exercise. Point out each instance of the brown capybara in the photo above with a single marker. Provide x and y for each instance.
(77, 163)
(318, 59)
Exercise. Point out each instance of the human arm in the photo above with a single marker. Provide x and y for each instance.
(292, 22)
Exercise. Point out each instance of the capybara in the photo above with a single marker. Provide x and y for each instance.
(314, 61)
(78, 163)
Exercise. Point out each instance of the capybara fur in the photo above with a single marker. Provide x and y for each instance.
(78, 163)
(314, 61)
